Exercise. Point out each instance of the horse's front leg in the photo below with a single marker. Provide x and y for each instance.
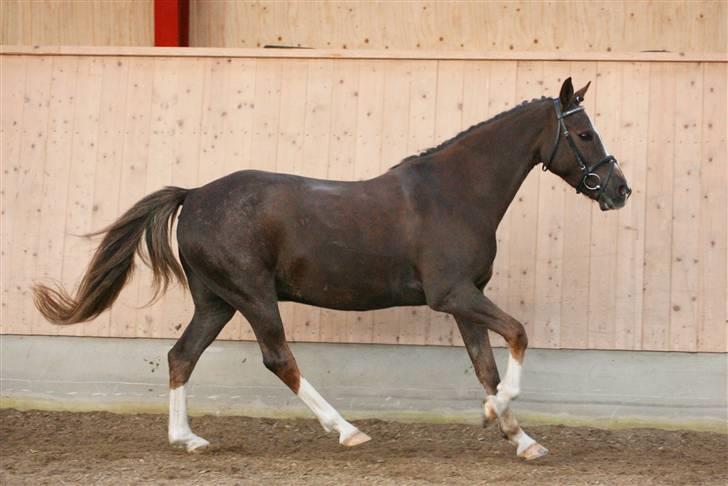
(475, 314)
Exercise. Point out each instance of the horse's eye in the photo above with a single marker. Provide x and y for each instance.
(585, 136)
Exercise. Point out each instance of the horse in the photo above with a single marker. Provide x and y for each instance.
(422, 233)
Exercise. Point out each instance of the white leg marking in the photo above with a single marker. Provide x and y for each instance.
(526, 447)
(510, 386)
(328, 416)
(508, 389)
(521, 440)
(179, 430)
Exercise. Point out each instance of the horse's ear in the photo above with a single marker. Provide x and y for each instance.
(579, 95)
(567, 91)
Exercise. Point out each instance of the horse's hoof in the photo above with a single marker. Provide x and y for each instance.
(534, 451)
(197, 445)
(193, 444)
(354, 439)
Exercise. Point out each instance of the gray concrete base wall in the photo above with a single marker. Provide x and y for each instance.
(400, 382)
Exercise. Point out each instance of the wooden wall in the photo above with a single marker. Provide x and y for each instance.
(592, 26)
(77, 22)
(595, 26)
(85, 136)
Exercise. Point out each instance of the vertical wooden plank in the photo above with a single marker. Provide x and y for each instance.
(366, 162)
(334, 326)
(550, 238)
(45, 22)
(312, 161)
(713, 243)
(11, 23)
(423, 86)
(632, 156)
(501, 97)
(213, 122)
(132, 181)
(441, 328)
(576, 241)
(290, 143)
(266, 111)
(684, 298)
(523, 214)
(52, 227)
(16, 106)
(603, 260)
(658, 208)
(29, 184)
(240, 107)
(395, 126)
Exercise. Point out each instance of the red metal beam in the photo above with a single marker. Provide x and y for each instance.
(171, 23)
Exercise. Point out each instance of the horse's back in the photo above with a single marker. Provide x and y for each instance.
(326, 243)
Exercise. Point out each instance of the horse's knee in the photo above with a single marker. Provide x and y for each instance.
(517, 340)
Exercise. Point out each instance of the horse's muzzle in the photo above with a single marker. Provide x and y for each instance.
(616, 200)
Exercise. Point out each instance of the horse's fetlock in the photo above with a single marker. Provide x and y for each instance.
(328, 422)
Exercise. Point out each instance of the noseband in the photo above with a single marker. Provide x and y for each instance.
(590, 180)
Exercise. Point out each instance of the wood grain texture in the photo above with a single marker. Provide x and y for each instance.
(12, 89)
(632, 131)
(658, 208)
(713, 247)
(604, 225)
(74, 22)
(598, 26)
(85, 137)
(365, 54)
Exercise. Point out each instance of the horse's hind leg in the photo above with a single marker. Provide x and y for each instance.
(211, 315)
(261, 311)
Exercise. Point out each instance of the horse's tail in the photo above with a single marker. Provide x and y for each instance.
(113, 262)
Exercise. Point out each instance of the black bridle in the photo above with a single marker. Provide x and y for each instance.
(590, 180)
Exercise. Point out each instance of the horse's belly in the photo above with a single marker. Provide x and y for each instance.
(350, 281)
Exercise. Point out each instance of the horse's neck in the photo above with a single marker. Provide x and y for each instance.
(494, 160)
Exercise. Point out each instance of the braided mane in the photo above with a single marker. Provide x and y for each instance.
(467, 131)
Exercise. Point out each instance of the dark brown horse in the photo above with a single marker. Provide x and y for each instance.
(422, 233)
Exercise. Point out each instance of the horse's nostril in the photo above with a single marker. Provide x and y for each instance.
(624, 190)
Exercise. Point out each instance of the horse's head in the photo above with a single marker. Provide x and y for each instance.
(578, 155)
